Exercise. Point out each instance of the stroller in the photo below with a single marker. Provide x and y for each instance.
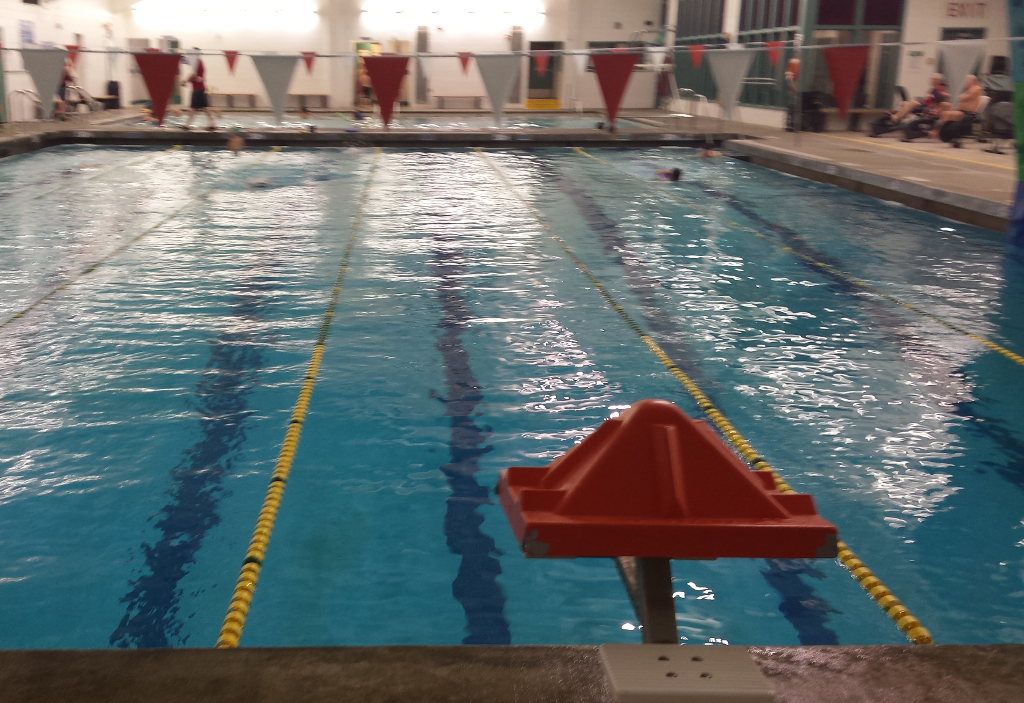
(884, 124)
(999, 125)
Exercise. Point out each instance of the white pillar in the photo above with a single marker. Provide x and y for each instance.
(670, 25)
(731, 20)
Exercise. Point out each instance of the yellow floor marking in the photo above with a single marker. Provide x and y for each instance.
(93, 266)
(999, 349)
(914, 151)
(241, 598)
(907, 623)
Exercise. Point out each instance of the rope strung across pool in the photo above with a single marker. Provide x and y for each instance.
(92, 267)
(241, 598)
(905, 621)
(1012, 356)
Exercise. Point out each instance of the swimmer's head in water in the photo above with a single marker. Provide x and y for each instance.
(675, 174)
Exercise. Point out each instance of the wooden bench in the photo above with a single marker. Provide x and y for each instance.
(232, 100)
(307, 100)
(459, 102)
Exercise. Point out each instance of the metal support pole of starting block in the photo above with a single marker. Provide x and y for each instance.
(648, 581)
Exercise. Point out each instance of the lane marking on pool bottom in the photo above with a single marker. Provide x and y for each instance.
(889, 603)
(110, 255)
(988, 343)
(241, 597)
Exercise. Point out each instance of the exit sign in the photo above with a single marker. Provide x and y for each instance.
(965, 9)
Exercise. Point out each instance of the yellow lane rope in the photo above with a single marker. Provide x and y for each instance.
(241, 598)
(905, 621)
(110, 255)
(999, 349)
(94, 176)
(919, 152)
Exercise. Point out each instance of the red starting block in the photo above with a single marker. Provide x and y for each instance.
(655, 483)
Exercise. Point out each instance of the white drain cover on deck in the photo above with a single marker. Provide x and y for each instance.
(668, 673)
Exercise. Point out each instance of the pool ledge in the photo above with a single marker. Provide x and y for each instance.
(972, 210)
(535, 674)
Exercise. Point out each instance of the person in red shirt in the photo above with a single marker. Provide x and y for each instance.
(199, 101)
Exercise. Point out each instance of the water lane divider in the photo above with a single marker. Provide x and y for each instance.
(241, 598)
(893, 607)
(1012, 356)
(110, 255)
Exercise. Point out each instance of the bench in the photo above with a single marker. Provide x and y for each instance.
(459, 102)
(307, 100)
(232, 100)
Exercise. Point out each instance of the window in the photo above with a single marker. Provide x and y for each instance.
(699, 18)
(768, 14)
(838, 12)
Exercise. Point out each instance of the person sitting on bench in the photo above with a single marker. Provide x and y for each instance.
(936, 99)
(966, 106)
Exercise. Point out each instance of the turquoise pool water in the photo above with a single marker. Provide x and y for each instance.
(142, 408)
(439, 121)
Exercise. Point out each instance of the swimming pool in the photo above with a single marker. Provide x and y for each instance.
(142, 408)
(436, 121)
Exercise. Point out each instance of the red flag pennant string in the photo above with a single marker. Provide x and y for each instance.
(696, 54)
(464, 57)
(540, 62)
(386, 74)
(73, 53)
(845, 67)
(231, 56)
(160, 73)
(308, 57)
(613, 73)
(152, 50)
(774, 52)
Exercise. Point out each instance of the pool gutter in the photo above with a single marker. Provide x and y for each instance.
(496, 674)
(988, 214)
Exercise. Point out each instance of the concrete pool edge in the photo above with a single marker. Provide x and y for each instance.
(563, 674)
(987, 214)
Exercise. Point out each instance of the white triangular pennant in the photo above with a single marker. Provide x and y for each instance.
(499, 74)
(46, 66)
(958, 60)
(422, 65)
(276, 74)
(581, 61)
(192, 58)
(729, 67)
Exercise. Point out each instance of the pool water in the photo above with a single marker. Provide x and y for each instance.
(142, 408)
(432, 122)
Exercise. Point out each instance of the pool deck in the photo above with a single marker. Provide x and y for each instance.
(968, 185)
(499, 674)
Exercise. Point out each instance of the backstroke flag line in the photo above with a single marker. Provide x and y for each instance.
(499, 74)
(958, 60)
(613, 73)
(386, 74)
(231, 56)
(464, 57)
(276, 74)
(160, 73)
(729, 67)
(581, 61)
(845, 67)
(46, 67)
(696, 54)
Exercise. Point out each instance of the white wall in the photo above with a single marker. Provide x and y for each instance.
(57, 22)
(340, 22)
(924, 21)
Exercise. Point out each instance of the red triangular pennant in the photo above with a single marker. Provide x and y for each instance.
(386, 74)
(464, 57)
(73, 54)
(845, 67)
(540, 62)
(613, 73)
(696, 54)
(231, 56)
(774, 52)
(308, 57)
(160, 72)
